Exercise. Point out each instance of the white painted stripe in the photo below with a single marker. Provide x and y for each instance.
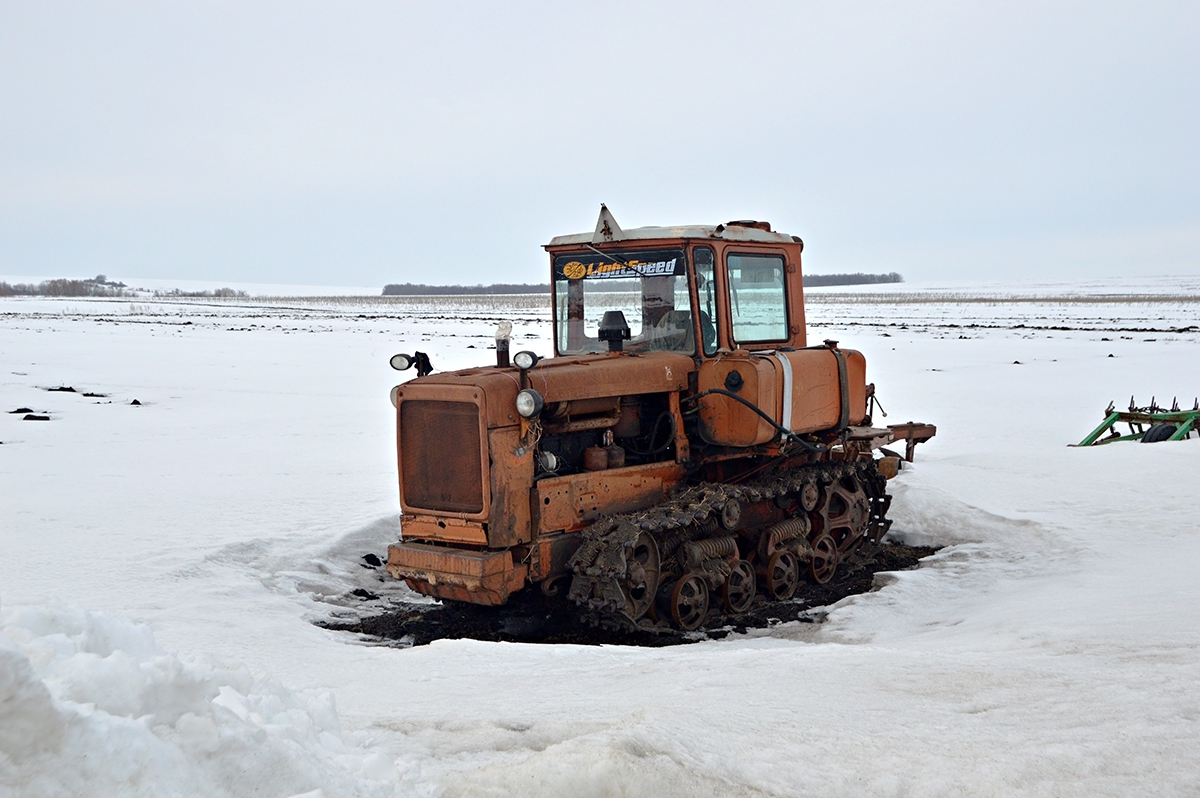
(786, 364)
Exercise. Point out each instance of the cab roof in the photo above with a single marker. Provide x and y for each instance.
(608, 231)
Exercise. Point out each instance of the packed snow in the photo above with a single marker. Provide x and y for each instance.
(162, 565)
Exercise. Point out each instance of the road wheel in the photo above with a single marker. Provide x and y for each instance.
(824, 562)
(641, 576)
(738, 591)
(689, 602)
(783, 574)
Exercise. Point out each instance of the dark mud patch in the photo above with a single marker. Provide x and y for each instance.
(530, 617)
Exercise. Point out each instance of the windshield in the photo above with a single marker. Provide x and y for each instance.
(649, 287)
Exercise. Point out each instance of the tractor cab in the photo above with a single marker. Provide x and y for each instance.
(691, 290)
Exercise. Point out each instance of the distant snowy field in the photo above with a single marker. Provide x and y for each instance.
(160, 566)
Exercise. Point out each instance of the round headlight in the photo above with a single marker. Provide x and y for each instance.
(525, 359)
(401, 362)
(392, 394)
(529, 403)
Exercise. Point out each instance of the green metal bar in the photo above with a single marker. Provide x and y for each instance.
(1183, 430)
(1137, 436)
(1113, 418)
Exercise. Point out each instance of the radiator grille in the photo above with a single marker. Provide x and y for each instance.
(440, 456)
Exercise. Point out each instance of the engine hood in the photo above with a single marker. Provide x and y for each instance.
(563, 379)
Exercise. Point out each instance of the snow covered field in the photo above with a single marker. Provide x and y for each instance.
(161, 563)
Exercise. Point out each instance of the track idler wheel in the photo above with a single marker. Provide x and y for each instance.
(738, 591)
(824, 562)
(687, 601)
(783, 574)
(641, 580)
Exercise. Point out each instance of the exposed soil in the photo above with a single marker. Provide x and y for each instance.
(529, 617)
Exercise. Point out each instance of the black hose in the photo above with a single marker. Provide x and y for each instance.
(783, 431)
(654, 434)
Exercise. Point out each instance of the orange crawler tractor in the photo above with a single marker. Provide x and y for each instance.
(683, 452)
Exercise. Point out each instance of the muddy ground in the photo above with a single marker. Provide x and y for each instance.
(529, 617)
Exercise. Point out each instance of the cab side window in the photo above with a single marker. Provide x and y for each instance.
(757, 298)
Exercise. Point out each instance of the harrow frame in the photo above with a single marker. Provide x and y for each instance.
(1139, 419)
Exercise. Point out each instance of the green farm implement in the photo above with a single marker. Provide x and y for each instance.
(1146, 424)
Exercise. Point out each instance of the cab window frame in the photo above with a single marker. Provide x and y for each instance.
(712, 285)
(785, 320)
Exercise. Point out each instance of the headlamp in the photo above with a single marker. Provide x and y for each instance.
(525, 359)
(529, 403)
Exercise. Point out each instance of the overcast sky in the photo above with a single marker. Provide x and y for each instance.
(364, 143)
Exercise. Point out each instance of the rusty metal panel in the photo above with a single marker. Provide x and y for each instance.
(727, 422)
(499, 385)
(548, 557)
(480, 577)
(571, 502)
(445, 530)
(816, 393)
(565, 379)
(512, 474)
(610, 375)
(441, 463)
(799, 390)
(816, 401)
(441, 436)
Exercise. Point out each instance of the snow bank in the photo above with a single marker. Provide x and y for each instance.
(90, 706)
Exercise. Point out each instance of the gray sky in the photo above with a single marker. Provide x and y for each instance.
(363, 143)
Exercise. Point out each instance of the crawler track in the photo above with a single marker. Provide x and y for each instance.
(659, 568)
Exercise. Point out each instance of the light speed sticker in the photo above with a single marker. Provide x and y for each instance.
(634, 268)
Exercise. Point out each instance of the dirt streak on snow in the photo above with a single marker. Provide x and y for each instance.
(1051, 648)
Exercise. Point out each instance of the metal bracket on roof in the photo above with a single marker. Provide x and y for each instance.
(607, 228)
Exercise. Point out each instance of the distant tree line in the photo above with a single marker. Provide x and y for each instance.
(97, 286)
(217, 293)
(420, 289)
(858, 278)
(101, 286)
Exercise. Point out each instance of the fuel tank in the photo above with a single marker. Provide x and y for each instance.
(802, 390)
